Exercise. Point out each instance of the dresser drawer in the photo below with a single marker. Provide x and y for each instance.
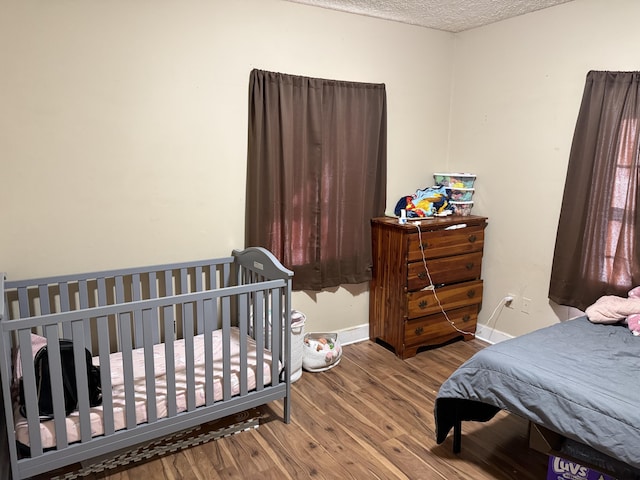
(432, 328)
(442, 243)
(424, 302)
(444, 270)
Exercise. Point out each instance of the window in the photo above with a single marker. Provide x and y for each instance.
(316, 174)
(598, 233)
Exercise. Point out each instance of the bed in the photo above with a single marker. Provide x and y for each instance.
(575, 380)
(176, 346)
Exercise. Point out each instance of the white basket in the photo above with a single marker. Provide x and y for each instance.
(297, 341)
(322, 351)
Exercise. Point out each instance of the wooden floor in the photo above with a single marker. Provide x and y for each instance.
(370, 417)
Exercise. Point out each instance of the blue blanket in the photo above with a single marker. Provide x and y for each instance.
(579, 379)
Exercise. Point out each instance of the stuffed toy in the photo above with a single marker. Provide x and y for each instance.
(614, 309)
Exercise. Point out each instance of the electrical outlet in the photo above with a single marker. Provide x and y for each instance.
(526, 304)
(510, 300)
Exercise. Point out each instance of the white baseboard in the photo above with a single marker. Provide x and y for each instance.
(356, 334)
(360, 333)
(490, 335)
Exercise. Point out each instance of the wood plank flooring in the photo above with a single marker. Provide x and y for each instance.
(370, 417)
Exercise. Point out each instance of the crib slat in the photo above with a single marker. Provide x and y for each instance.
(169, 291)
(104, 348)
(43, 296)
(213, 277)
(85, 303)
(153, 284)
(226, 351)
(277, 326)
(187, 309)
(184, 281)
(84, 294)
(119, 298)
(30, 394)
(102, 291)
(138, 321)
(149, 368)
(105, 375)
(138, 325)
(124, 321)
(138, 329)
(23, 302)
(210, 319)
(5, 372)
(226, 274)
(57, 393)
(153, 293)
(119, 281)
(136, 287)
(65, 306)
(198, 288)
(260, 312)
(169, 355)
(198, 274)
(79, 357)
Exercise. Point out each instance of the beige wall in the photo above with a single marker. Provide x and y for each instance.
(517, 89)
(123, 128)
(123, 125)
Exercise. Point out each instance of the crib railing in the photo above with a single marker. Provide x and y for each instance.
(66, 293)
(123, 310)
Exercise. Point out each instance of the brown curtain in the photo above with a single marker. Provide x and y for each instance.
(316, 174)
(597, 242)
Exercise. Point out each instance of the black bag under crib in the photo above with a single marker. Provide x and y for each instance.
(43, 381)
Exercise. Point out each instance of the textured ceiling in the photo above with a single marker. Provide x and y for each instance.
(447, 15)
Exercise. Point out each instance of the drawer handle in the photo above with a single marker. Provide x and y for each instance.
(471, 293)
(469, 266)
(424, 246)
(466, 318)
(422, 275)
(419, 330)
(423, 304)
(472, 238)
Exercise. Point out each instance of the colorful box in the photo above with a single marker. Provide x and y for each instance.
(561, 469)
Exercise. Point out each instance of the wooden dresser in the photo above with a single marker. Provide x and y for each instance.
(404, 313)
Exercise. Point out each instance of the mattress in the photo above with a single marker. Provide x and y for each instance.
(47, 429)
(576, 378)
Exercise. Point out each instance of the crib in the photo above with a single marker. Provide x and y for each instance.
(176, 345)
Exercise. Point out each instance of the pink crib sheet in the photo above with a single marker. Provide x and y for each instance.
(47, 429)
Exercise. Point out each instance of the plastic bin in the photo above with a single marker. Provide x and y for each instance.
(456, 180)
(460, 194)
(462, 208)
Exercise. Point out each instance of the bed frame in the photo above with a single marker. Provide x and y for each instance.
(132, 310)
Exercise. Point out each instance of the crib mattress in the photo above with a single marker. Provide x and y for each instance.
(47, 428)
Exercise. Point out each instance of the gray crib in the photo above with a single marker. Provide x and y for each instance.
(177, 345)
